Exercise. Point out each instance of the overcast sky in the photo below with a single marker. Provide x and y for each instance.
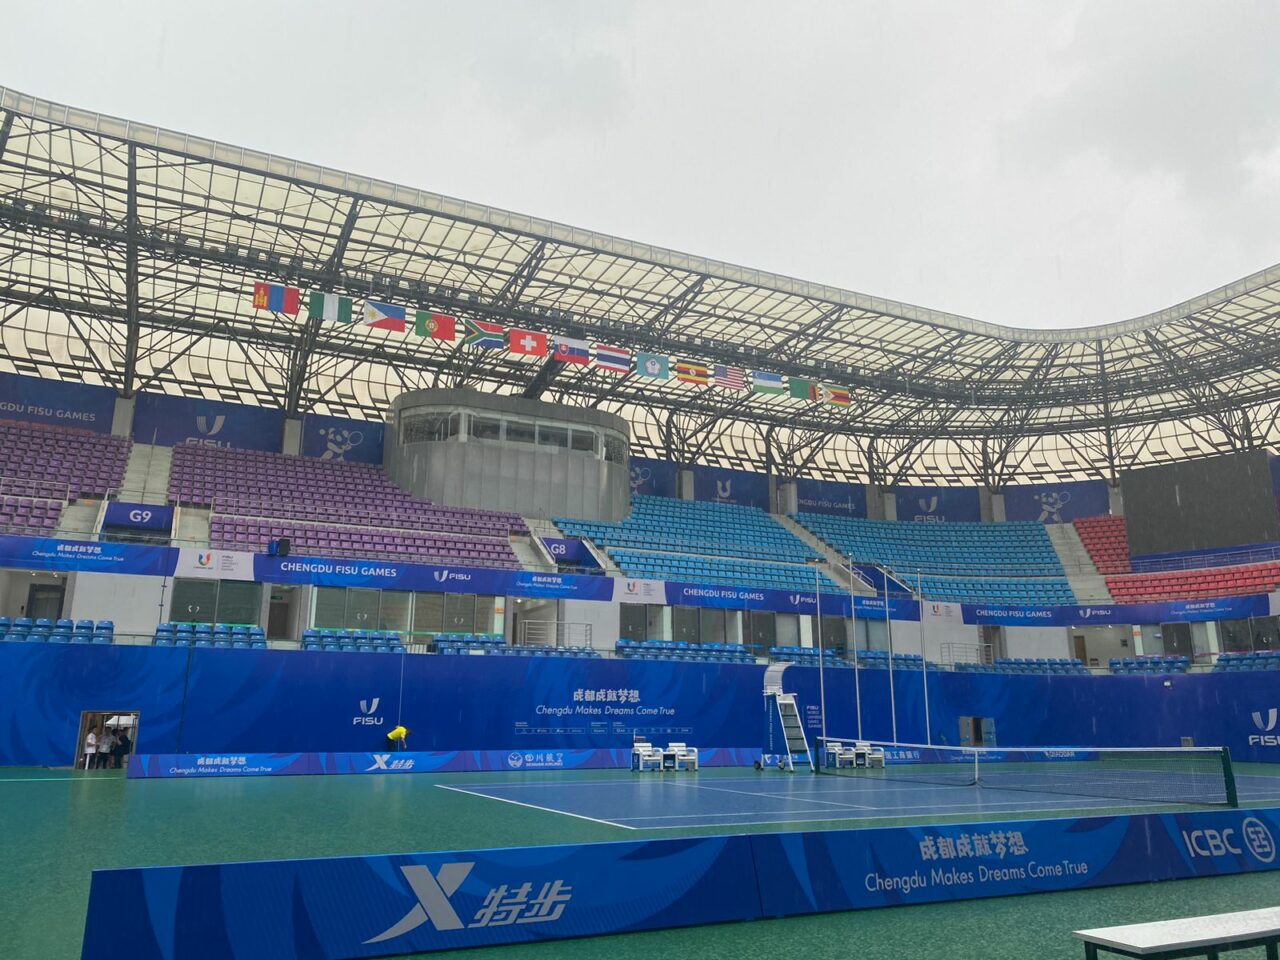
(1045, 165)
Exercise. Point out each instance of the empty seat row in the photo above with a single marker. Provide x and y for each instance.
(1026, 665)
(505, 651)
(715, 652)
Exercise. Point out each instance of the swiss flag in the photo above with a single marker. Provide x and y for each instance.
(528, 343)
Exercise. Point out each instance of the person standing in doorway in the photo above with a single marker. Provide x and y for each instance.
(120, 755)
(90, 748)
(106, 743)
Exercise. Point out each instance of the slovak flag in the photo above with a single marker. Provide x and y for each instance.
(527, 343)
(569, 350)
(384, 316)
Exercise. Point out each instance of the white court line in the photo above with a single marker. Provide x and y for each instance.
(534, 806)
(60, 779)
(961, 810)
(772, 796)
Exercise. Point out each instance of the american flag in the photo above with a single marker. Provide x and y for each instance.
(731, 378)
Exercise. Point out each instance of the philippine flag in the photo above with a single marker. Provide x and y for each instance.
(384, 316)
(569, 350)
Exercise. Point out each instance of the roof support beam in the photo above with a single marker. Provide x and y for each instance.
(132, 326)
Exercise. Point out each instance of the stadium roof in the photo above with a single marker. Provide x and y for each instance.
(129, 254)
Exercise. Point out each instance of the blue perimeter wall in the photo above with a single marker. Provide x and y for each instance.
(266, 701)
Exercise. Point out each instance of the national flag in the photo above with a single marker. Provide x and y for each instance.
(730, 378)
(482, 335)
(569, 350)
(654, 366)
(384, 316)
(614, 359)
(527, 343)
(762, 382)
(829, 394)
(277, 298)
(801, 389)
(438, 326)
(687, 371)
(329, 306)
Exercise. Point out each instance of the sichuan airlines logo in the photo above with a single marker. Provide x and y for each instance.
(510, 903)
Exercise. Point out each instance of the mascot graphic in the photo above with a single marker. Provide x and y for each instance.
(340, 441)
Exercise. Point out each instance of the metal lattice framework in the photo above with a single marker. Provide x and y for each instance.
(128, 254)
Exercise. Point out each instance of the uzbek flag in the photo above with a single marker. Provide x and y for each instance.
(384, 316)
(277, 298)
(763, 382)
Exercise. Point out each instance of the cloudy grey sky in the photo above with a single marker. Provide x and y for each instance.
(1036, 164)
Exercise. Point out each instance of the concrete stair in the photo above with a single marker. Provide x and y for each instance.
(835, 567)
(146, 475)
(79, 520)
(192, 527)
(1086, 582)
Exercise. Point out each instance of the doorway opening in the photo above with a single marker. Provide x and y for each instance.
(106, 739)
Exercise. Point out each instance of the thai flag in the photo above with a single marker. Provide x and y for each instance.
(572, 351)
(615, 359)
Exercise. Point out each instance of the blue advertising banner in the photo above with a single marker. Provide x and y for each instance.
(169, 421)
(349, 907)
(654, 478)
(138, 516)
(355, 907)
(1057, 502)
(38, 553)
(54, 401)
(188, 765)
(938, 504)
(722, 485)
(830, 496)
(570, 550)
(337, 438)
(1105, 614)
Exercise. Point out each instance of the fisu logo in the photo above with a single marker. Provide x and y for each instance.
(1266, 722)
(210, 426)
(724, 489)
(441, 576)
(928, 504)
(367, 710)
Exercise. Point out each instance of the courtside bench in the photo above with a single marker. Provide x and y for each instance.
(1189, 937)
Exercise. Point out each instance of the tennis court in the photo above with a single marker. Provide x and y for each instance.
(730, 799)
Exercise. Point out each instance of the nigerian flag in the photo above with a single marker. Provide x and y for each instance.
(329, 306)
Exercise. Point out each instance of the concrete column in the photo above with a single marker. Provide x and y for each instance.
(985, 507)
(291, 442)
(787, 499)
(667, 626)
(684, 484)
(890, 501)
(1212, 639)
(733, 624)
(997, 509)
(122, 417)
(807, 638)
(1115, 501)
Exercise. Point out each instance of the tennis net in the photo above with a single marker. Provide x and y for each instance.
(1193, 775)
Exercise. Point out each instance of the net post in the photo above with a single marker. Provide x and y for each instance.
(1229, 778)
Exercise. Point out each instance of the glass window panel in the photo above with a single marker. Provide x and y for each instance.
(484, 614)
(615, 449)
(194, 601)
(362, 609)
(684, 624)
(239, 601)
(632, 621)
(834, 634)
(421, 427)
(1234, 636)
(550, 436)
(787, 626)
(428, 613)
(485, 428)
(761, 631)
(584, 441)
(654, 625)
(459, 613)
(331, 608)
(393, 610)
(711, 628)
(518, 432)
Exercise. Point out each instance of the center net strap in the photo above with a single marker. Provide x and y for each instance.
(1166, 775)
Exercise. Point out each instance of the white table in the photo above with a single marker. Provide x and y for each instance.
(1189, 937)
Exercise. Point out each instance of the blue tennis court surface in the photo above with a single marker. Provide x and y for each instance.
(736, 797)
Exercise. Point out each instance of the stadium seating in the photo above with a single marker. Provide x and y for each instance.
(57, 631)
(1148, 665)
(682, 650)
(333, 508)
(879, 659)
(29, 515)
(500, 649)
(352, 641)
(218, 636)
(1011, 562)
(1240, 662)
(1023, 665)
(1195, 584)
(60, 463)
(1107, 541)
(697, 542)
(695, 527)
